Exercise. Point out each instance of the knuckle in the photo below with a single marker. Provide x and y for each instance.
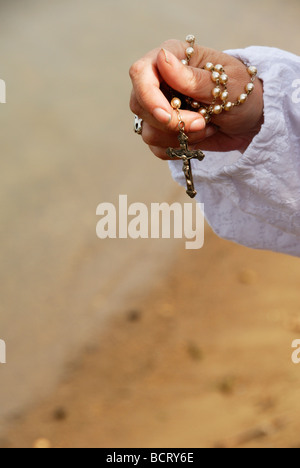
(193, 82)
(136, 69)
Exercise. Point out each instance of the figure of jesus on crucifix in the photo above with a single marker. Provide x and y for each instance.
(186, 155)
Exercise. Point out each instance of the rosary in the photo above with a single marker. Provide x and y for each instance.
(219, 93)
(184, 153)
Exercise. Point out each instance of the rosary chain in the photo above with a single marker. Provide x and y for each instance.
(220, 79)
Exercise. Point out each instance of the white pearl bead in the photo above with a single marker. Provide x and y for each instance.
(252, 71)
(224, 95)
(203, 112)
(176, 103)
(216, 92)
(189, 51)
(217, 110)
(249, 88)
(190, 38)
(184, 62)
(243, 98)
(215, 76)
(195, 105)
(209, 66)
(219, 68)
(224, 78)
(228, 106)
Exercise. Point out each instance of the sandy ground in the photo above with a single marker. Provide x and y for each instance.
(60, 158)
(197, 346)
(204, 361)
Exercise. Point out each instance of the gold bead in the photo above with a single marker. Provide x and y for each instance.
(224, 95)
(184, 62)
(176, 103)
(218, 110)
(228, 106)
(249, 88)
(215, 76)
(219, 68)
(190, 39)
(252, 71)
(243, 98)
(216, 92)
(207, 118)
(209, 66)
(224, 78)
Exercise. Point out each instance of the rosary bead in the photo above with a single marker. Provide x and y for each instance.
(190, 51)
(249, 88)
(203, 111)
(219, 68)
(252, 71)
(215, 76)
(184, 62)
(224, 95)
(224, 78)
(243, 98)
(195, 104)
(216, 92)
(184, 153)
(218, 110)
(190, 39)
(176, 103)
(209, 66)
(228, 106)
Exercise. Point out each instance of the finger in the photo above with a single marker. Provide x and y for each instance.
(193, 122)
(146, 85)
(137, 109)
(160, 153)
(150, 103)
(221, 142)
(154, 137)
(193, 82)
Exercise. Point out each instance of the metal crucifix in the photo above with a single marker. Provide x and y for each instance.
(186, 155)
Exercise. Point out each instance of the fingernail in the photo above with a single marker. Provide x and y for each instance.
(197, 125)
(166, 55)
(162, 116)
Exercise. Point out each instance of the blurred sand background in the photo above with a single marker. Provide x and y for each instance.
(128, 343)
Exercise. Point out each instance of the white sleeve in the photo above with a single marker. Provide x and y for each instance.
(254, 199)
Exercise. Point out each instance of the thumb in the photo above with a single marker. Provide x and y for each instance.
(189, 81)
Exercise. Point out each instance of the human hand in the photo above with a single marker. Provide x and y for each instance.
(228, 131)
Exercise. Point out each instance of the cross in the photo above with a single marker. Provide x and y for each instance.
(186, 155)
